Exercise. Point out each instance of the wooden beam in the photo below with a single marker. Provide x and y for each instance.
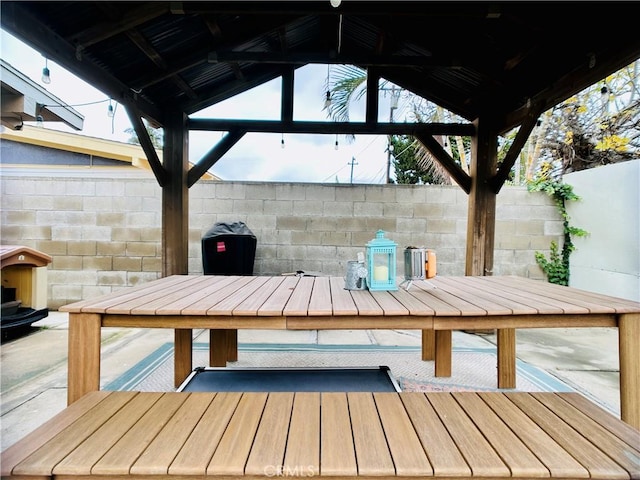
(449, 164)
(481, 218)
(206, 162)
(497, 181)
(146, 144)
(276, 126)
(372, 96)
(286, 102)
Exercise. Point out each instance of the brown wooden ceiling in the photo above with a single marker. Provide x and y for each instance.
(473, 58)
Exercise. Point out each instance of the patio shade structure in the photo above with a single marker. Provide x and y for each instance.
(498, 65)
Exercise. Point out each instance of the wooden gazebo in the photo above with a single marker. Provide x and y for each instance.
(498, 65)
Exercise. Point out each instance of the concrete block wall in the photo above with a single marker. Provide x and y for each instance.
(104, 233)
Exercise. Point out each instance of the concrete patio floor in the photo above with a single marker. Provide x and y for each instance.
(34, 366)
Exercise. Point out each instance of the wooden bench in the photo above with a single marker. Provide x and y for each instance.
(338, 435)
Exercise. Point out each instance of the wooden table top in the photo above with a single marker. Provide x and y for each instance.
(340, 435)
(303, 299)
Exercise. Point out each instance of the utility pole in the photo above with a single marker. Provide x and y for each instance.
(352, 163)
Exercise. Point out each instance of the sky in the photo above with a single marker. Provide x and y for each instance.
(256, 157)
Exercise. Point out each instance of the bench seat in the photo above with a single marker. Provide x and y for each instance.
(338, 435)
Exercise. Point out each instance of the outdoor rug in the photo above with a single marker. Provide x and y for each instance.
(473, 369)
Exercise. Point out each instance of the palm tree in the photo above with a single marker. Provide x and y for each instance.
(417, 163)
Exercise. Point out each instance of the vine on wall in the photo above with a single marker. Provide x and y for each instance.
(557, 266)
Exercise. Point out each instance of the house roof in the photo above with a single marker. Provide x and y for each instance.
(127, 153)
(23, 100)
(469, 57)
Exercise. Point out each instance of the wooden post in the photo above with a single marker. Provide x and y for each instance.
(175, 225)
(481, 219)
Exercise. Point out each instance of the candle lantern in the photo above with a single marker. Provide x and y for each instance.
(381, 263)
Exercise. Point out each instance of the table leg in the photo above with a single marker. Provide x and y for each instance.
(428, 345)
(443, 353)
(232, 345)
(629, 352)
(83, 375)
(219, 347)
(183, 360)
(506, 338)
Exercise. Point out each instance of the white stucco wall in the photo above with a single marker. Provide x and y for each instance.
(608, 259)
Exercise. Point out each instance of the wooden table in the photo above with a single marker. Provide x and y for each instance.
(116, 435)
(437, 307)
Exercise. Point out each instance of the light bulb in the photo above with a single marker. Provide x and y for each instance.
(46, 77)
(110, 110)
(39, 121)
(336, 146)
(282, 143)
(327, 102)
(335, 3)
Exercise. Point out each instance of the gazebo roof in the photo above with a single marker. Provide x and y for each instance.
(469, 57)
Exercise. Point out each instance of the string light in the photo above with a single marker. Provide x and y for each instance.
(336, 146)
(327, 101)
(110, 110)
(282, 141)
(46, 75)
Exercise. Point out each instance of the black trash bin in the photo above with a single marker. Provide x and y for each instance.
(228, 249)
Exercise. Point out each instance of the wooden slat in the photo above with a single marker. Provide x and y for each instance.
(520, 460)
(550, 453)
(338, 456)
(574, 299)
(365, 303)
(216, 293)
(227, 305)
(209, 285)
(267, 453)
(44, 460)
(411, 303)
(36, 439)
(592, 458)
(341, 299)
(80, 461)
(122, 455)
(622, 430)
(196, 453)
(478, 453)
(302, 458)
(251, 305)
(602, 301)
(157, 457)
(128, 303)
(524, 302)
(493, 305)
(389, 304)
(446, 459)
(480, 289)
(626, 456)
(298, 303)
(372, 453)
(443, 302)
(320, 302)
(169, 296)
(406, 450)
(275, 303)
(233, 450)
(94, 304)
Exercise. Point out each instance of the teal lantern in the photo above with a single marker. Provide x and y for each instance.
(381, 263)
